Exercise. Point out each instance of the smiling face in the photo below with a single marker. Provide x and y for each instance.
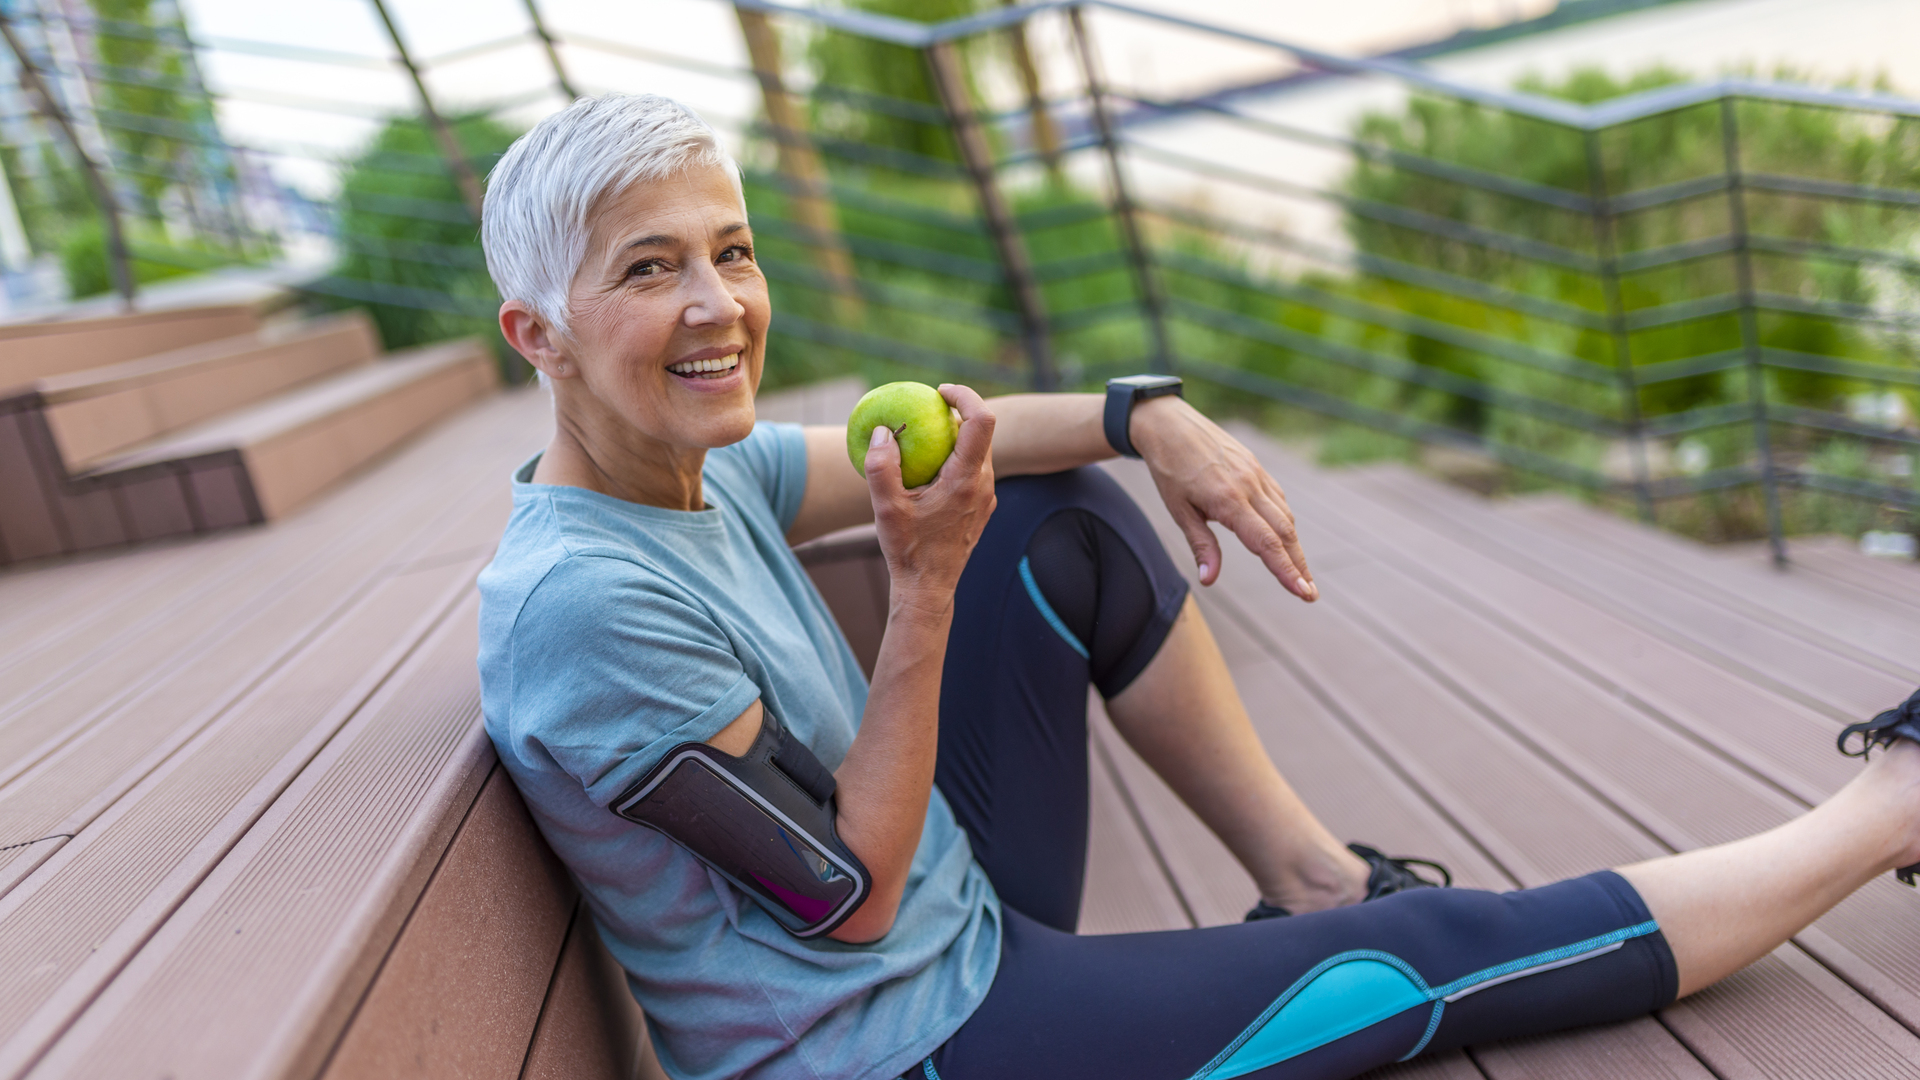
(669, 316)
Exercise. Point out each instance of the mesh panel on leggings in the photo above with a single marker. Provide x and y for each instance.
(1097, 586)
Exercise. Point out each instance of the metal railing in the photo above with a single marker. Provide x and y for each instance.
(1716, 320)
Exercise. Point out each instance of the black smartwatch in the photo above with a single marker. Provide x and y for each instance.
(1122, 395)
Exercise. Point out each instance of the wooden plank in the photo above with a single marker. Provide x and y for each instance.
(1781, 739)
(1878, 631)
(269, 957)
(1838, 560)
(139, 723)
(87, 766)
(1126, 889)
(143, 680)
(1636, 1048)
(498, 876)
(30, 351)
(101, 411)
(82, 914)
(28, 527)
(1760, 648)
(590, 1028)
(1357, 796)
(290, 464)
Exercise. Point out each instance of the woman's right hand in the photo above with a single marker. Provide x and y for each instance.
(927, 534)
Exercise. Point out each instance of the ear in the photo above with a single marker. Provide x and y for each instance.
(532, 338)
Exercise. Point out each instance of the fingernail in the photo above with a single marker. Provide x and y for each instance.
(881, 436)
(1312, 590)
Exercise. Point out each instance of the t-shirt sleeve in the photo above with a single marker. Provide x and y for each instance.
(613, 667)
(775, 457)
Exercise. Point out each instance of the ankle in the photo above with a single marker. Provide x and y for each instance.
(1317, 880)
(1887, 794)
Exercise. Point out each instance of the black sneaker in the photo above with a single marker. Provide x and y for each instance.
(1386, 875)
(1900, 722)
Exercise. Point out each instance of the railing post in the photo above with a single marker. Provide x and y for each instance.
(553, 50)
(1606, 246)
(463, 174)
(1123, 206)
(808, 195)
(119, 263)
(1750, 328)
(1045, 134)
(950, 79)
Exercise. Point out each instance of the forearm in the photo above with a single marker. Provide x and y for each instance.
(887, 777)
(1046, 433)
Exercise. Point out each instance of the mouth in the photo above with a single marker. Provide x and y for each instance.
(718, 368)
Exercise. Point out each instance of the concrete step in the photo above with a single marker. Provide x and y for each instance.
(100, 411)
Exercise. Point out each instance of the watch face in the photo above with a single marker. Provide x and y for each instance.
(1145, 382)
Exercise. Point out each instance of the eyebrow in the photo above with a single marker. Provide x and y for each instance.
(663, 240)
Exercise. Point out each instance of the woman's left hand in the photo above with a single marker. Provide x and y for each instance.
(1205, 474)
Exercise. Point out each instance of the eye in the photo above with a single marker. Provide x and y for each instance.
(736, 253)
(644, 268)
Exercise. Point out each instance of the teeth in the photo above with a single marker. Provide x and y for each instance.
(701, 367)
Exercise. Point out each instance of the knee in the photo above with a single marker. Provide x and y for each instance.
(1093, 584)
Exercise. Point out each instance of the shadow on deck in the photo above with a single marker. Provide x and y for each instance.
(249, 825)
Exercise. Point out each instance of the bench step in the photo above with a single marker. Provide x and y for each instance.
(36, 350)
(250, 465)
(102, 411)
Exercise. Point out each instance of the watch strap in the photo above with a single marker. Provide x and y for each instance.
(1122, 395)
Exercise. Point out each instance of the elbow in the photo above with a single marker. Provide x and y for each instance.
(869, 922)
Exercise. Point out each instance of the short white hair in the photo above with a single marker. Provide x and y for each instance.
(534, 223)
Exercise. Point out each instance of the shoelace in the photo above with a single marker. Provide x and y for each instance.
(1883, 729)
(1389, 874)
(1386, 875)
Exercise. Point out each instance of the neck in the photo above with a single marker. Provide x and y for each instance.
(621, 463)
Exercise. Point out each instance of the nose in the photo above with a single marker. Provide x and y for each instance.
(709, 300)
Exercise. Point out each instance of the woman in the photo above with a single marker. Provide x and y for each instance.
(644, 600)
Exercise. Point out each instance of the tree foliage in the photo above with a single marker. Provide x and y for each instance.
(1683, 145)
(881, 95)
(405, 235)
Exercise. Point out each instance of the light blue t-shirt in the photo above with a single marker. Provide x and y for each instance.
(611, 632)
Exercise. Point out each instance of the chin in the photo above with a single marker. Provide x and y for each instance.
(727, 425)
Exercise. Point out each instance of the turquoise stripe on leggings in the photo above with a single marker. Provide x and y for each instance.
(1353, 991)
(1047, 612)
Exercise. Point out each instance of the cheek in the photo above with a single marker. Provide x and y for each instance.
(759, 308)
(618, 338)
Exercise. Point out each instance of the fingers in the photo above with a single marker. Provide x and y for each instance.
(882, 467)
(1206, 547)
(1272, 507)
(1277, 548)
(976, 425)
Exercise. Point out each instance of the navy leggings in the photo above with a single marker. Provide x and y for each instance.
(1068, 588)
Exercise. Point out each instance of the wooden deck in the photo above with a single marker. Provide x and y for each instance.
(249, 825)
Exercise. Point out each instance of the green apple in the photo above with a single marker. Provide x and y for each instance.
(921, 421)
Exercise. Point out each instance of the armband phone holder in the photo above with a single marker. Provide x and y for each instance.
(763, 821)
